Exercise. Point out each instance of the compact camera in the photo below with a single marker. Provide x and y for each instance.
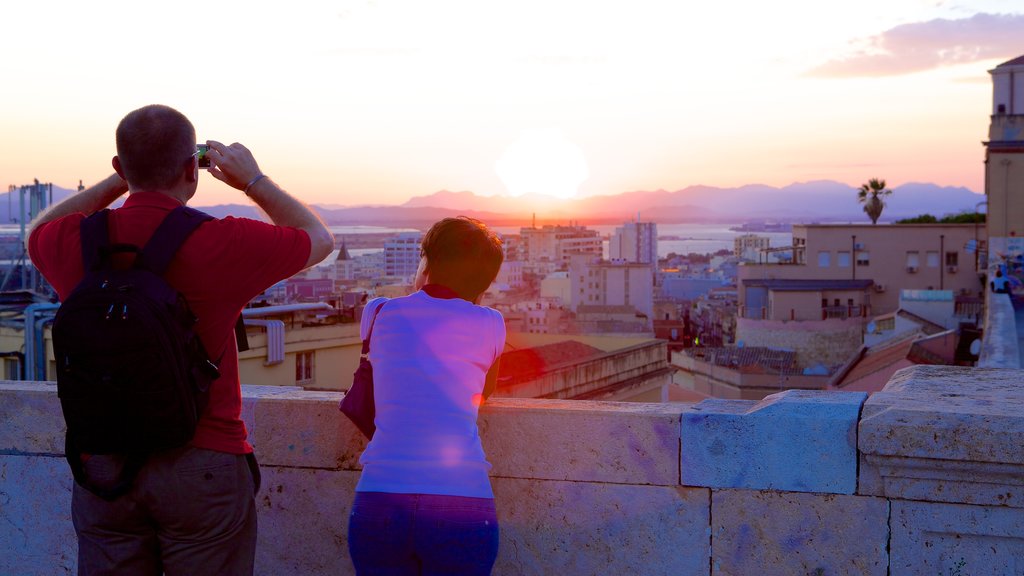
(201, 154)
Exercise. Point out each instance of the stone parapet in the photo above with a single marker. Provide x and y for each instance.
(605, 487)
(30, 419)
(577, 441)
(945, 434)
(797, 440)
(1001, 344)
(785, 533)
(929, 539)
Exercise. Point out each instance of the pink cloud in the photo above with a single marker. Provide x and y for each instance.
(919, 46)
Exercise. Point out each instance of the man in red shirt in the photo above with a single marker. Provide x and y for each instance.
(191, 510)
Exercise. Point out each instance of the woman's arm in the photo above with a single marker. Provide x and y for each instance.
(491, 380)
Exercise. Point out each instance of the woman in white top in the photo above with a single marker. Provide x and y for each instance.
(424, 503)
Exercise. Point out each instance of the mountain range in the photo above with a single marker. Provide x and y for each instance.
(817, 201)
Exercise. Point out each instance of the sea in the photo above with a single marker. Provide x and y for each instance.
(679, 238)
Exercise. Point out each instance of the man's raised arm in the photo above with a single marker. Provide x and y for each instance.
(235, 166)
(87, 201)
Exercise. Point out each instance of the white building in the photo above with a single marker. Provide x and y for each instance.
(402, 254)
(556, 244)
(750, 246)
(595, 282)
(635, 242)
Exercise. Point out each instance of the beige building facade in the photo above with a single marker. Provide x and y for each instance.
(1004, 154)
(887, 257)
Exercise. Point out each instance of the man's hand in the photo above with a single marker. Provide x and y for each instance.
(234, 165)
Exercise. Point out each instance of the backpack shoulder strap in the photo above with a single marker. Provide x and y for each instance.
(168, 237)
(95, 239)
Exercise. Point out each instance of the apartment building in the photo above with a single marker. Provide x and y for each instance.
(751, 247)
(402, 254)
(635, 242)
(554, 245)
(595, 282)
(844, 274)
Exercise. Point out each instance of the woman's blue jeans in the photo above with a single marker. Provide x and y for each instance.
(422, 534)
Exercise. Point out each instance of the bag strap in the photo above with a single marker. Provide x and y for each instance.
(168, 237)
(369, 333)
(95, 239)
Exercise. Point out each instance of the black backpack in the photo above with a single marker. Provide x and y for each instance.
(132, 375)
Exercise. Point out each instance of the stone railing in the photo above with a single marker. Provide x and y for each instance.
(1001, 348)
(926, 477)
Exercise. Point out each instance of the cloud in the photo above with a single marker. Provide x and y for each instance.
(919, 46)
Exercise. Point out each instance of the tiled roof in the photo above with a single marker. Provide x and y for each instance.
(518, 365)
(880, 358)
(748, 358)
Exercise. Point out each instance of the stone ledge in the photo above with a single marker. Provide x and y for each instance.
(945, 434)
(802, 441)
(947, 413)
(929, 539)
(1001, 347)
(584, 441)
(778, 533)
(554, 527)
(980, 483)
(36, 534)
(32, 422)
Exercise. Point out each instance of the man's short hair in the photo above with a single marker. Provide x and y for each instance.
(463, 254)
(153, 145)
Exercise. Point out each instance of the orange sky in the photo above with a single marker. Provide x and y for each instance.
(372, 102)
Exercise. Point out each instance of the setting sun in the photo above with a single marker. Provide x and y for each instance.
(542, 161)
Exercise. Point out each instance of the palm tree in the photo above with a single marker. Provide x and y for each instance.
(870, 195)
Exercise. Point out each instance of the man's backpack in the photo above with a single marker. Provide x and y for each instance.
(132, 375)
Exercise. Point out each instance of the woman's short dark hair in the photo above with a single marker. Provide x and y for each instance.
(153, 145)
(463, 254)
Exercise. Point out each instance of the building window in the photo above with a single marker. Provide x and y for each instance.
(863, 258)
(952, 258)
(12, 369)
(304, 367)
(913, 259)
(823, 259)
(843, 259)
(932, 259)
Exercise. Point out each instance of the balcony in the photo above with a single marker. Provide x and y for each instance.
(922, 478)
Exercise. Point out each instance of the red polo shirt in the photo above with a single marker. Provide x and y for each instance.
(223, 265)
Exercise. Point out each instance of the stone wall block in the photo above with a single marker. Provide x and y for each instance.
(554, 527)
(303, 517)
(945, 434)
(31, 421)
(798, 440)
(304, 430)
(930, 538)
(587, 441)
(785, 533)
(36, 535)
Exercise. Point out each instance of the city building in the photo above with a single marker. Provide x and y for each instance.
(1004, 151)
(402, 255)
(550, 247)
(751, 247)
(1004, 174)
(843, 275)
(635, 242)
(595, 282)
